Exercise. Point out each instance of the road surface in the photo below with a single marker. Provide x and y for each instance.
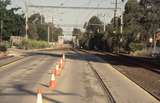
(76, 84)
(17, 80)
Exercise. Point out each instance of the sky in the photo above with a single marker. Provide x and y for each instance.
(70, 17)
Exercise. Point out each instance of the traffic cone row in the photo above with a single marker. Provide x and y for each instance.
(56, 72)
(52, 84)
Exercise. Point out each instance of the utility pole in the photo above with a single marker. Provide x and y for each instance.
(122, 20)
(52, 20)
(154, 44)
(26, 28)
(104, 23)
(41, 19)
(1, 30)
(115, 14)
(48, 33)
(116, 28)
(121, 28)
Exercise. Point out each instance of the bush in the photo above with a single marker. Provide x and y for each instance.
(4, 45)
(33, 44)
(3, 48)
(136, 47)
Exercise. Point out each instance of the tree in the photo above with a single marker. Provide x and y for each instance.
(57, 32)
(133, 23)
(38, 29)
(94, 25)
(141, 20)
(13, 24)
(92, 37)
(42, 32)
(76, 32)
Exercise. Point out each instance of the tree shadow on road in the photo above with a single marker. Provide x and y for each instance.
(116, 60)
(21, 91)
(45, 53)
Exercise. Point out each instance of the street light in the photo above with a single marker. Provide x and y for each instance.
(151, 40)
(114, 32)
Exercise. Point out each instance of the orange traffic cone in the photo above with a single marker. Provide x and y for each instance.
(39, 96)
(61, 63)
(52, 83)
(57, 71)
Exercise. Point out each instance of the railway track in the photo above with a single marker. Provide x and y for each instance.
(108, 94)
(148, 65)
(109, 97)
(133, 69)
(143, 63)
(140, 64)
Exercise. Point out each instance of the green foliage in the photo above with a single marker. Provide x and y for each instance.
(141, 20)
(91, 27)
(38, 29)
(33, 44)
(76, 32)
(3, 47)
(136, 46)
(42, 32)
(7, 44)
(92, 38)
(13, 23)
(133, 15)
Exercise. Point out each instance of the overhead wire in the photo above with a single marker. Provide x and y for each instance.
(78, 15)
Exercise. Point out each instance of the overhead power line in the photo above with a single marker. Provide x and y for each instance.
(71, 7)
(75, 25)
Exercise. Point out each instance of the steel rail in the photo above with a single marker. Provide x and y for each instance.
(103, 85)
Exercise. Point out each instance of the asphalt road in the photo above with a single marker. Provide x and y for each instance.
(19, 80)
(76, 84)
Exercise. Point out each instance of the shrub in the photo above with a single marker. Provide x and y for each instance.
(136, 46)
(3, 48)
(33, 44)
(7, 44)
(4, 45)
